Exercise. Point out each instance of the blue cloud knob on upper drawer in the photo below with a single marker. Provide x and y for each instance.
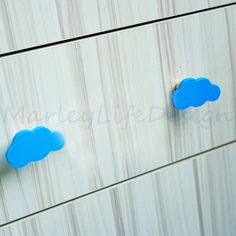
(194, 93)
(33, 145)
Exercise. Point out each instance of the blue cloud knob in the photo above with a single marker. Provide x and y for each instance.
(194, 93)
(33, 145)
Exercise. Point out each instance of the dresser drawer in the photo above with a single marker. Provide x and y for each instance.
(111, 98)
(195, 197)
(30, 23)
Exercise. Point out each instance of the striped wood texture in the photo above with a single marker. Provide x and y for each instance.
(29, 23)
(85, 89)
(195, 197)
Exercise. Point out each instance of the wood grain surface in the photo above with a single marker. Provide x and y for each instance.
(29, 23)
(195, 197)
(111, 98)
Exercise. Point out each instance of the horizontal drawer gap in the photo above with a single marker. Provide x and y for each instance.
(195, 156)
(112, 30)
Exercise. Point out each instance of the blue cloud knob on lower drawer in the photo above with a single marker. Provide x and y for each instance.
(194, 93)
(33, 145)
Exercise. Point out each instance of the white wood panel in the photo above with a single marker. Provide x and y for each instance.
(195, 197)
(104, 79)
(28, 23)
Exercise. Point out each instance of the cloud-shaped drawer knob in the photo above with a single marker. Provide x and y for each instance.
(33, 145)
(194, 93)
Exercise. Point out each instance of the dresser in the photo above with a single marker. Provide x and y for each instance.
(102, 73)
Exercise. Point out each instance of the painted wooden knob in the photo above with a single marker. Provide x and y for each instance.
(33, 145)
(194, 93)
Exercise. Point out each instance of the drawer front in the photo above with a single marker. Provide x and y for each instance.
(110, 97)
(29, 23)
(195, 197)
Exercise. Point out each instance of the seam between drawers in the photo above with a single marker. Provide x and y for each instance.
(114, 30)
(67, 202)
